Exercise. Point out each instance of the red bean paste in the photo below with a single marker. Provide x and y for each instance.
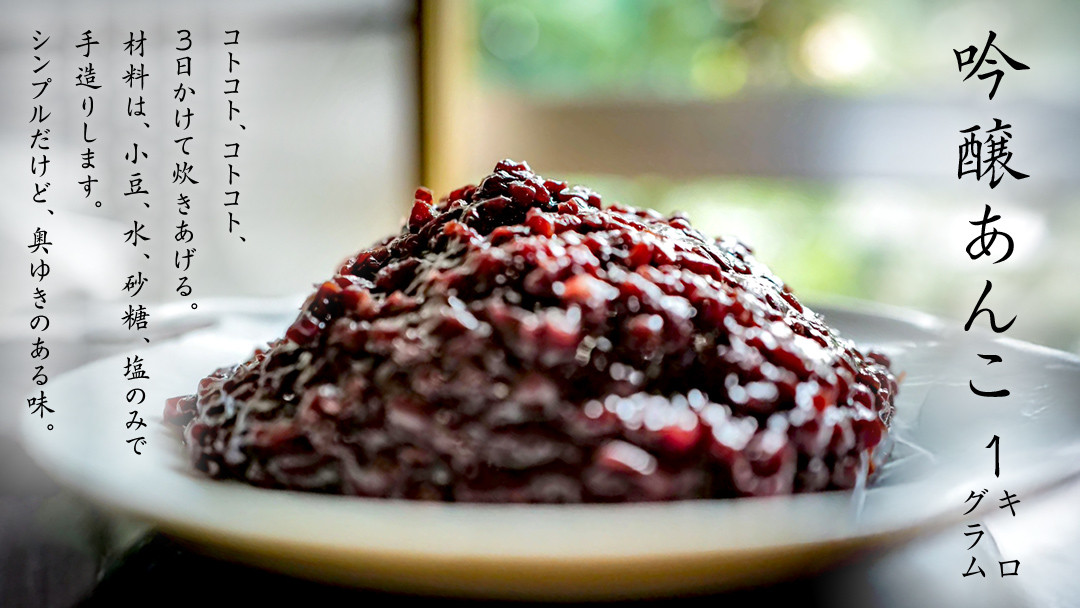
(518, 341)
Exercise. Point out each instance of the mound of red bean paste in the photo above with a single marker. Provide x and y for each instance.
(520, 342)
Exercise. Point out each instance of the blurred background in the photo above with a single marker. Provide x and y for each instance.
(824, 133)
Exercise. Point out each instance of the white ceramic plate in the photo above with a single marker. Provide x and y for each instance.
(579, 551)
